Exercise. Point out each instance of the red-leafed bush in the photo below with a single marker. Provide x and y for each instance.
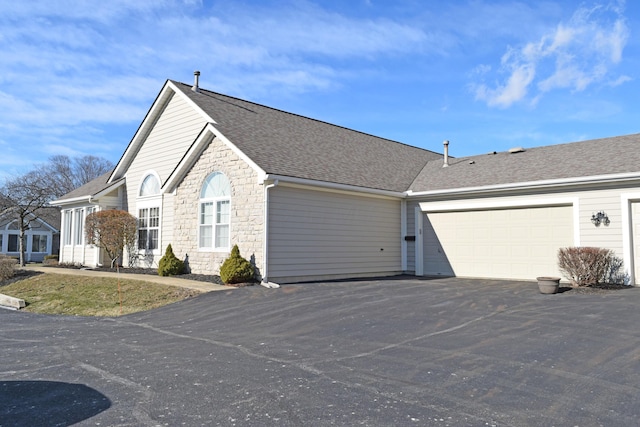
(587, 266)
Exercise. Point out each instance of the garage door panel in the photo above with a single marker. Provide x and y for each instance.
(504, 243)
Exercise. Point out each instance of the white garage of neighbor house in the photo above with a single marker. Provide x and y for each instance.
(306, 200)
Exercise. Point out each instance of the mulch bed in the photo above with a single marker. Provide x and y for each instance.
(602, 288)
(208, 278)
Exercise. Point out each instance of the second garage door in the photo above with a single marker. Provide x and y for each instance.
(499, 243)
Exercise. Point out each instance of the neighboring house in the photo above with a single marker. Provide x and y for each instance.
(307, 200)
(41, 239)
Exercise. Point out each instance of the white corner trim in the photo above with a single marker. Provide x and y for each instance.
(419, 255)
(403, 234)
(626, 199)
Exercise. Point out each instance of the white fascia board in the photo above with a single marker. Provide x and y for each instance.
(158, 106)
(72, 201)
(208, 133)
(332, 186)
(552, 183)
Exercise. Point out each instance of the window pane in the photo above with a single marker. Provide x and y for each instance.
(13, 243)
(153, 239)
(38, 243)
(222, 216)
(79, 227)
(216, 185)
(142, 218)
(154, 217)
(142, 239)
(206, 213)
(150, 186)
(222, 236)
(67, 227)
(206, 236)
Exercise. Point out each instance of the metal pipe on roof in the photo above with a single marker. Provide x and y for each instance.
(446, 153)
(196, 81)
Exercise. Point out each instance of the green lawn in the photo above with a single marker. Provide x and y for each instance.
(89, 296)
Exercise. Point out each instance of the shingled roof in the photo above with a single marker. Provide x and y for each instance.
(607, 156)
(290, 145)
(91, 188)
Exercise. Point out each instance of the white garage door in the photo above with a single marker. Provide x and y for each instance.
(635, 220)
(501, 243)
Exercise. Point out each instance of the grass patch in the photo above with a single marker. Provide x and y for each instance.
(92, 296)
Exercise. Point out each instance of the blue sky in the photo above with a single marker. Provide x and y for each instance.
(77, 77)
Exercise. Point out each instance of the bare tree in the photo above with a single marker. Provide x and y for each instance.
(111, 230)
(23, 198)
(68, 174)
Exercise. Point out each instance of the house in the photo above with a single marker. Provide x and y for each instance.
(41, 239)
(307, 200)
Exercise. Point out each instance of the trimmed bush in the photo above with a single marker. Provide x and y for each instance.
(50, 260)
(587, 266)
(236, 269)
(169, 264)
(7, 267)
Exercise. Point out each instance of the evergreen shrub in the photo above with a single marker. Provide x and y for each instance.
(169, 264)
(236, 269)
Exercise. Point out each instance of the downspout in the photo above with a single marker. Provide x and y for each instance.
(265, 241)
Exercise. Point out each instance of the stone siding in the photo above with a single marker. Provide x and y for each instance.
(247, 205)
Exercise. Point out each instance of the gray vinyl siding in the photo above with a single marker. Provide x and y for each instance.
(411, 246)
(610, 236)
(318, 234)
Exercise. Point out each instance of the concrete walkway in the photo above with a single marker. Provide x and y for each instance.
(163, 280)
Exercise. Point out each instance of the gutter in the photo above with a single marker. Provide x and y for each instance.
(265, 241)
(334, 186)
(529, 185)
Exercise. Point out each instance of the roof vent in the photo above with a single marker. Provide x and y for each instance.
(196, 81)
(446, 154)
(516, 150)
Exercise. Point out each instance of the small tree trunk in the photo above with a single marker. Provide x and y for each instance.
(21, 245)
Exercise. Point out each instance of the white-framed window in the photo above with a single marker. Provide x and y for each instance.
(39, 243)
(214, 216)
(148, 228)
(68, 219)
(148, 203)
(78, 232)
(13, 244)
(150, 186)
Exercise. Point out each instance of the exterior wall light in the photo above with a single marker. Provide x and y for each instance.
(600, 218)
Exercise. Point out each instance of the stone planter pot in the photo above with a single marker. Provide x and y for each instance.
(548, 285)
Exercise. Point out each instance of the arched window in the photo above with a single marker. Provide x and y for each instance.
(149, 214)
(150, 186)
(214, 217)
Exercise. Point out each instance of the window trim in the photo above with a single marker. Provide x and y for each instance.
(214, 225)
(149, 202)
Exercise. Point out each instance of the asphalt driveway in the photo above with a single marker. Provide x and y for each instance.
(443, 352)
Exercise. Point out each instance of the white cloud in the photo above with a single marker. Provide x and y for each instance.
(575, 55)
(68, 66)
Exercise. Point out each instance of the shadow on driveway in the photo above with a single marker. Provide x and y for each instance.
(48, 403)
